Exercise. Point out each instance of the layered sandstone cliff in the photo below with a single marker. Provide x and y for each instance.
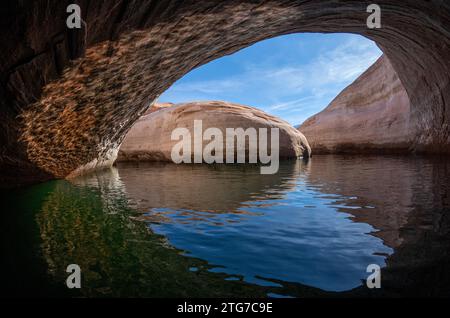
(150, 138)
(370, 115)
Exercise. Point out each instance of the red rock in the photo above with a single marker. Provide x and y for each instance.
(370, 115)
(150, 138)
(157, 106)
(68, 97)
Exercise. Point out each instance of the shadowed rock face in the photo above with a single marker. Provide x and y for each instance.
(370, 115)
(68, 97)
(150, 139)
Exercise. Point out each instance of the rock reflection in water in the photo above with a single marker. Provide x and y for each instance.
(196, 190)
(313, 224)
(265, 227)
(403, 199)
(409, 206)
(91, 225)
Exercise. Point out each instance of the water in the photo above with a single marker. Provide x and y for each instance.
(165, 230)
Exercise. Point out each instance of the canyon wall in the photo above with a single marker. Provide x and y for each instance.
(69, 96)
(370, 115)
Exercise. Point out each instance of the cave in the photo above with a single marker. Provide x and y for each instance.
(69, 96)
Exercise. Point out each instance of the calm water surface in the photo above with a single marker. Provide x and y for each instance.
(197, 230)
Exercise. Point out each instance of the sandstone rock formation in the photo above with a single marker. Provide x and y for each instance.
(370, 115)
(150, 138)
(69, 96)
(157, 106)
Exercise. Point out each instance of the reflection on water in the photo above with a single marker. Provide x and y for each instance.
(259, 226)
(197, 230)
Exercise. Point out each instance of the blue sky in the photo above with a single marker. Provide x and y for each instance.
(292, 76)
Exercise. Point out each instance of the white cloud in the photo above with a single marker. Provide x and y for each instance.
(208, 86)
(288, 88)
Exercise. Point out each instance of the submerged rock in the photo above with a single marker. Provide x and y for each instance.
(370, 115)
(150, 138)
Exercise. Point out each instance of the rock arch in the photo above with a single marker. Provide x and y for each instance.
(69, 96)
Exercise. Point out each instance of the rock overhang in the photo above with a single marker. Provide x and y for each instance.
(68, 97)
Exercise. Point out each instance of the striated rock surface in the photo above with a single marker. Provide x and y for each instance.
(370, 115)
(157, 106)
(150, 138)
(69, 96)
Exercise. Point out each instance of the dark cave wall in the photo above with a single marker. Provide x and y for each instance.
(68, 97)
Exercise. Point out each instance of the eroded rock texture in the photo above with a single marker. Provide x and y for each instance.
(68, 97)
(157, 106)
(370, 115)
(150, 138)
